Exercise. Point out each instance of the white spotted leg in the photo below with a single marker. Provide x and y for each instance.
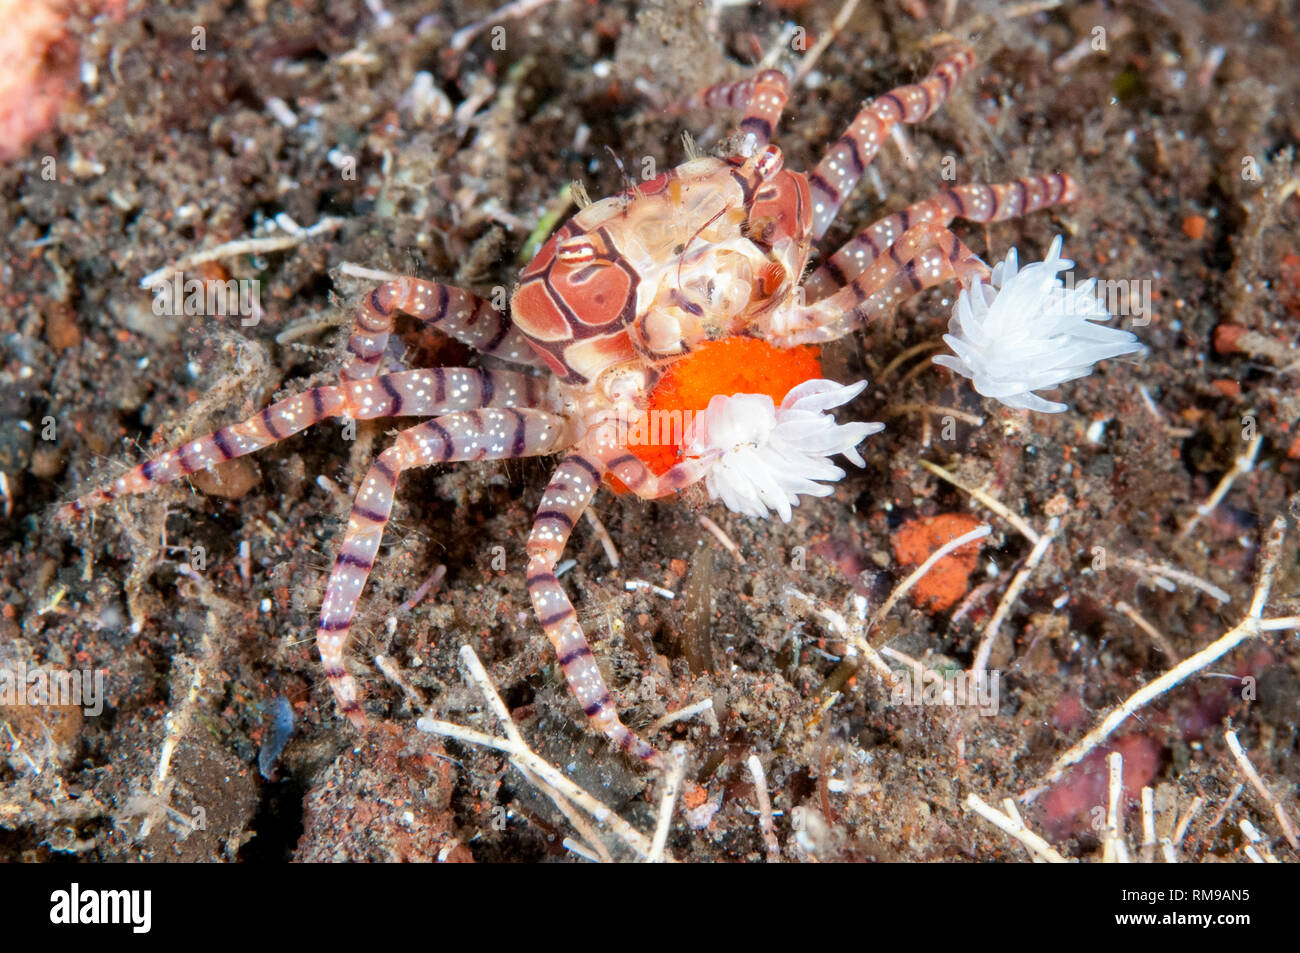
(974, 203)
(470, 435)
(564, 500)
(847, 158)
(464, 316)
(486, 414)
(763, 98)
(924, 256)
(418, 393)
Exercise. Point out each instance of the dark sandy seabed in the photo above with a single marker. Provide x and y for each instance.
(1181, 131)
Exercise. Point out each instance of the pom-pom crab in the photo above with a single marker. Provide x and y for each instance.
(625, 290)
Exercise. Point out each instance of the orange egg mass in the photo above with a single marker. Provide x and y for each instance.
(736, 365)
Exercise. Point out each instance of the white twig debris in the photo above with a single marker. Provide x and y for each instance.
(979, 532)
(997, 506)
(808, 62)
(1248, 769)
(1170, 846)
(353, 270)
(242, 246)
(722, 538)
(1244, 463)
(668, 801)
(1114, 849)
(281, 112)
(1013, 592)
(1250, 626)
(1168, 572)
(548, 778)
(461, 39)
(1148, 846)
(1256, 850)
(1016, 828)
(764, 809)
(1159, 638)
(632, 585)
(681, 714)
(1159, 570)
(602, 534)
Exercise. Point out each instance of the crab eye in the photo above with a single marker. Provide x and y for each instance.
(769, 162)
(578, 250)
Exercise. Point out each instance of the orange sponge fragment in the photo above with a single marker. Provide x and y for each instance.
(947, 580)
(736, 365)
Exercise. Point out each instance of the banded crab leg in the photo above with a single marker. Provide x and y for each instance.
(762, 96)
(485, 414)
(566, 497)
(924, 256)
(464, 316)
(848, 157)
(414, 393)
(974, 203)
(489, 434)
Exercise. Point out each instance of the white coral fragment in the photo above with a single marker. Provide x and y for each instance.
(1026, 330)
(769, 456)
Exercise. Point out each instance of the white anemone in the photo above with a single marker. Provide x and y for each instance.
(1026, 330)
(768, 456)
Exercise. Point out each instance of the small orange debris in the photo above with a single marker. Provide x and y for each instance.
(1194, 227)
(947, 580)
(61, 331)
(1226, 338)
(1288, 283)
(694, 796)
(1227, 388)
